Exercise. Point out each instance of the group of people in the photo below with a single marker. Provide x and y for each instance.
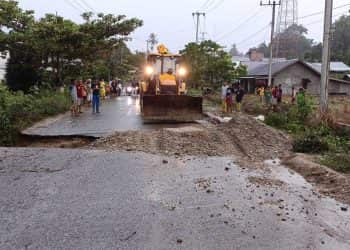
(227, 95)
(273, 96)
(91, 92)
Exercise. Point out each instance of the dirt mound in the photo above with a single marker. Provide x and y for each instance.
(170, 142)
(243, 137)
(256, 140)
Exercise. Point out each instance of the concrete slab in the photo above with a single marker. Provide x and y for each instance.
(120, 114)
(77, 199)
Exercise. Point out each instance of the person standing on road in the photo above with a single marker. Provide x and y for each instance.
(88, 91)
(74, 97)
(224, 88)
(80, 92)
(239, 97)
(102, 88)
(95, 86)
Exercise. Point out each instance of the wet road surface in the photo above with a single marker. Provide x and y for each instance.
(77, 199)
(117, 114)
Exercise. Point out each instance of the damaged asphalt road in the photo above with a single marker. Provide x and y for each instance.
(80, 199)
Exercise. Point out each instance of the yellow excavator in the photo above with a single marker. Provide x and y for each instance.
(163, 90)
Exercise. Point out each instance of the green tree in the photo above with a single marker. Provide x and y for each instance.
(341, 40)
(293, 42)
(209, 63)
(54, 47)
(315, 55)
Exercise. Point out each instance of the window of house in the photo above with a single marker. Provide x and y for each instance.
(305, 82)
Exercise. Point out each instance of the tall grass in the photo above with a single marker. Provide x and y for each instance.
(19, 110)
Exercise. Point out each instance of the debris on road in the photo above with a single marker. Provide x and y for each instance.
(241, 137)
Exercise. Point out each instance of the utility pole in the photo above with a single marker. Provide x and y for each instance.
(203, 35)
(273, 4)
(198, 15)
(326, 57)
(147, 41)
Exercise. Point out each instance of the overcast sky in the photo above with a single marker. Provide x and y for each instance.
(174, 25)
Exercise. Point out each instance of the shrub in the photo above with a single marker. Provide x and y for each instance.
(310, 143)
(17, 111)
(277, 120)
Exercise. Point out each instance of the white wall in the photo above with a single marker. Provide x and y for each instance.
(2, 68)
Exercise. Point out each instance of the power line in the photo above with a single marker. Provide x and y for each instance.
(238, 26)
(254, 34)
(87, 5)
(207, 4)
(321, 20)
(74, 6)
(321, 12)
(260, 40)
(80, 5)
(216, 6)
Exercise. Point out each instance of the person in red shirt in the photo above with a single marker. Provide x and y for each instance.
(80, 92)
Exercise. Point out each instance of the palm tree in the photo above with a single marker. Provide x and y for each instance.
(152, 40)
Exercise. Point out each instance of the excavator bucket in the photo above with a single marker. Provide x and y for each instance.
(171, 108)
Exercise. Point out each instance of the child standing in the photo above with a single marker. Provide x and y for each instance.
(239, 97)
(229, 101)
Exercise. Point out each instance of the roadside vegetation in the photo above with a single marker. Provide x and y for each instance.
(327, 140)
(19, 110)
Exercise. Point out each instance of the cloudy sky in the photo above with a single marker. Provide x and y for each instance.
(243, 22)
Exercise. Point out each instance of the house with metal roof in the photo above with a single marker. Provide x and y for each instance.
(292, 73)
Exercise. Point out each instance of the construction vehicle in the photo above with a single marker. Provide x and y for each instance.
(163, 95)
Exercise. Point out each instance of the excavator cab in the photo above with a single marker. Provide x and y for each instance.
(164, 92)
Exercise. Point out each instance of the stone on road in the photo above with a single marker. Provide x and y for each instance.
(79, 199)
(117, 115)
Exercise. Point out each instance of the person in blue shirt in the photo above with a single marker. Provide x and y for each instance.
(95, 86)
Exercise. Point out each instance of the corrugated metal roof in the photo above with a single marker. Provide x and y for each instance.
(335, 67)
(263, 69)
